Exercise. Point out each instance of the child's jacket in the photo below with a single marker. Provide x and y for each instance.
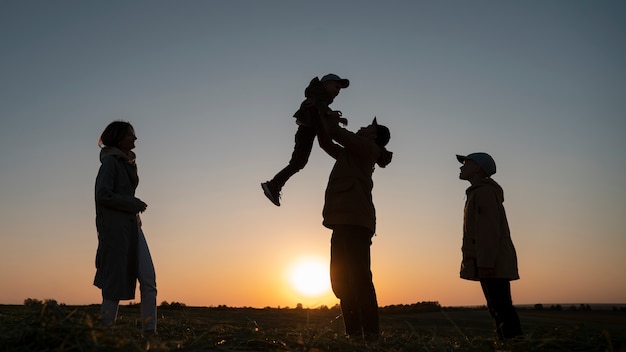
(316, 102)
(486, 237)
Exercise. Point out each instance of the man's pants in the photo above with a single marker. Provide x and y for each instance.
(500, 305)
(147, 287)
(351, 279)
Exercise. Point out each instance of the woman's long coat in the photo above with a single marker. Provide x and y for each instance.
(117, 222)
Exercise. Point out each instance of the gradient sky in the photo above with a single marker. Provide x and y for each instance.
(211, 86)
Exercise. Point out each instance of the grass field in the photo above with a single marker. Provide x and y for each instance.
(50, 327)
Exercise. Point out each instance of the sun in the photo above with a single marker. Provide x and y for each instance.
(309, 276)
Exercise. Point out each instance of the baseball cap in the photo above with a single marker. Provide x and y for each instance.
(382, 134)
(484, 160)
(333, 77)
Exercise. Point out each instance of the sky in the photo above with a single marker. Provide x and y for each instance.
(211, 88)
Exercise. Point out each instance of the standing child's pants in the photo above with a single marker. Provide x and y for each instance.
(500, 305)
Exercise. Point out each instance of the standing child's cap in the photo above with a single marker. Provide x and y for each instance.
(484, 160)
(333, 77)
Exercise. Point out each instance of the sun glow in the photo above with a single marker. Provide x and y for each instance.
(309, 276)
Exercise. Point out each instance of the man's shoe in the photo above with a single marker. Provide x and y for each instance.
(271, 192)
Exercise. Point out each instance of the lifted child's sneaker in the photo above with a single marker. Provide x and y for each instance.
(271, 192)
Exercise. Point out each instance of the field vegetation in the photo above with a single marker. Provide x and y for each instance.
(426, 326)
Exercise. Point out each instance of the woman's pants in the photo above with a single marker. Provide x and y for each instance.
(147, 287)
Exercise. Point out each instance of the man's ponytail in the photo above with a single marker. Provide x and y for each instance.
(384, 158)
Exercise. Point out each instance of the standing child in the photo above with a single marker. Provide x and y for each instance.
(488, 252)
(319, 94)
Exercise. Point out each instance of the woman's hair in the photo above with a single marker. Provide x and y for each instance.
(113, 133)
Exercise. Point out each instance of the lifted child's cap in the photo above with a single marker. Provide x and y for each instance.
(333, 77)
(484, 160)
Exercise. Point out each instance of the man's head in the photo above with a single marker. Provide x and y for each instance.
(382, 134)
(379, 133)
(333, 84)
(476, 163)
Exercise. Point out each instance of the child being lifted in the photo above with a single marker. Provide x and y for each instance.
(319, 95)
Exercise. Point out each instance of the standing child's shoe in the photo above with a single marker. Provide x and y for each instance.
(271, 192)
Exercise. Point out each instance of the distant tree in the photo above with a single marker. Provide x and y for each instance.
(299, 306)
(51, 302)
(164, 304)
(177, 305)
(32, 302)
(538, 306)
(556, 307)
(429, 306)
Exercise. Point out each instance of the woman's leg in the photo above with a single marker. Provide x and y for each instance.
(147, 285)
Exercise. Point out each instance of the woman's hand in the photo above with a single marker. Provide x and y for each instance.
(141, 206)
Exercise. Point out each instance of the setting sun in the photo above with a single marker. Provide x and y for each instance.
(309, 276)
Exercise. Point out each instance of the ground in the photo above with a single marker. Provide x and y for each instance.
(404, 328)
